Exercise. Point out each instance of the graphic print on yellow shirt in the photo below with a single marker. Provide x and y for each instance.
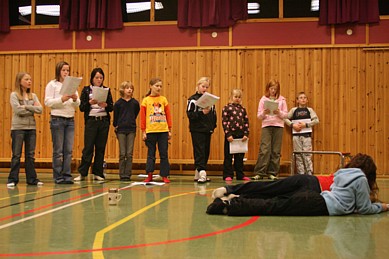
(156, 118)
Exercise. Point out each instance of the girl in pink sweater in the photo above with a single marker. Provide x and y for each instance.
(272, 110)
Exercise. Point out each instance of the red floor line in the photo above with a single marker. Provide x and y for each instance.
(242, 225)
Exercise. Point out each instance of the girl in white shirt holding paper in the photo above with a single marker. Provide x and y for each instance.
(236, 126)
(61, 123)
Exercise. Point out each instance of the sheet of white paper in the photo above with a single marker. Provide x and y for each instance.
(70, 85)
(207, 100)
(303, 130)
(271, 105)
(145, 176)
(143, 183)
(239, 146)
(99, 93)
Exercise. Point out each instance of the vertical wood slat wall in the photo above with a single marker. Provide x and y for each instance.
(347, 87)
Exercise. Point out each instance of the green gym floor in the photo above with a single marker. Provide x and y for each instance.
(169, 221)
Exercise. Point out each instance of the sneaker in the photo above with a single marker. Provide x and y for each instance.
(246, 179)
(39, 184)
(228, 198)
(219, 192)
(196, 177)
(98, 178)
(217, 207)
(202, 177)
(79, 178)
(257, 177)
(272, 177)
(63, 181)
(149, 178)
(228, 179)
(11, 185)
(165, 180)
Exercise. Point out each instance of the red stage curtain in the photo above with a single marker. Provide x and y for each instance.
(90, 14)
(4, 16)
(348, 11)
(210, 13)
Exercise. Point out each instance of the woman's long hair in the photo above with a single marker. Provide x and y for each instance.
(367, 165)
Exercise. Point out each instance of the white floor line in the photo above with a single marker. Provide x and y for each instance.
(49, 211)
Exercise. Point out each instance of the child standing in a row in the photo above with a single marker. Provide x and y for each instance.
(24, 105)
(97, 121)
(125, 112)
(156, 124)
(202, 123)
(268, 162)
(301, 119)
(236, 126)
(62, 110)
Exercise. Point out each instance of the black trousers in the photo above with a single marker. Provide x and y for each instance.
(285, 187)
(303, 203)
(95, 140)
(201, 147)
(297, 195)
(228, 168)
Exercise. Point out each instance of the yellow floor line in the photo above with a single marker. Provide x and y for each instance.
(99, 238)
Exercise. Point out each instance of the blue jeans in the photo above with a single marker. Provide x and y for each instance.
(29, 139)
(126, 148)
(151, 143)
(62, 133)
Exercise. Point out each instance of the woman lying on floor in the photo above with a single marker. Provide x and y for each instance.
(352, 189)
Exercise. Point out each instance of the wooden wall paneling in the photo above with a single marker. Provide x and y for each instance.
(383, 157)
(111, 70)
(381, 106)
(331, 117)
(363, 110)
(342, 92)
(134, 77)
(321, 132)
(45, 73)
(114, 68)
(347, 87)
(189, 78)
(175, 100)
(8, 86)
(39, 89)
(167, 66)
(213, 61)
(370, 103)
(315, 100)
(352, 115)
(287, 78)
(180, 136)
(252, 79)
(144, 86)
(79, 67)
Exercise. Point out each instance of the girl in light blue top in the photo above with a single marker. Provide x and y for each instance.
(354, 190)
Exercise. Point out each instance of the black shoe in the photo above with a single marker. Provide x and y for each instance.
(63, 181)
(217, 207)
